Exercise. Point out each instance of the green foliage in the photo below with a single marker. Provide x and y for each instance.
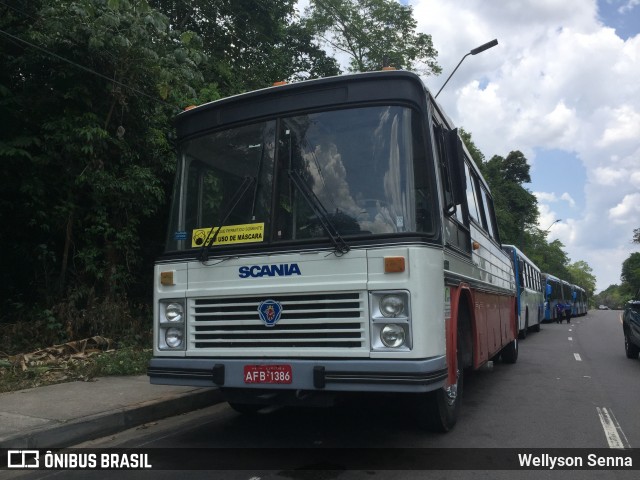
(85, 157)
(516, 207)
(126, 361)
(87, 93)
(476, 154)
(613, 297)
(580, 273)
(373, 33)
(249, 44)
(630, 275)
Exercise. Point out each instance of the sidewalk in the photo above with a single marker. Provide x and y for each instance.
(66, 414)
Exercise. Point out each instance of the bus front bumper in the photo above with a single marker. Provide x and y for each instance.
(338, 375)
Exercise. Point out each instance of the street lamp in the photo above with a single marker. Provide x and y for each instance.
(475, 51)
(547, 229)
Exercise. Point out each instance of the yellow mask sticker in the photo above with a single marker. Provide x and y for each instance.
(231, 234)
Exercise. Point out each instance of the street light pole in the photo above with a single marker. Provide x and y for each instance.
(475, 51)
(547, 229)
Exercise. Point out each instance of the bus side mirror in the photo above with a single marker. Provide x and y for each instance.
(548, 289)
(455, 157)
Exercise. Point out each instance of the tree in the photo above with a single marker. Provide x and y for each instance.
(476, 154)
(250, 44)
(87, 93)
(516, 207)
(373, 34)
(612, 296)
(580, 273)
(554, 260)
(630, 275)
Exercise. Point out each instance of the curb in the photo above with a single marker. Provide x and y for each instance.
(63, 435)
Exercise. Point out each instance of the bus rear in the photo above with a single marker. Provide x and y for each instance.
(320, 242)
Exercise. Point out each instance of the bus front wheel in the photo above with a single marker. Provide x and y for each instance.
(440, 409)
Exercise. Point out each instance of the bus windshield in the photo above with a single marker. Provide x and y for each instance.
(364, 167)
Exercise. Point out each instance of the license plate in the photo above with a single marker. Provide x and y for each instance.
(267, 374)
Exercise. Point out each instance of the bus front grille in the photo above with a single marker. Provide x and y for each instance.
(322, 320)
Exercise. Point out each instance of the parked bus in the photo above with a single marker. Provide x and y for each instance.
(529, 296)
(553, 293)
(330, 236)
(561, 291)
(579, 299)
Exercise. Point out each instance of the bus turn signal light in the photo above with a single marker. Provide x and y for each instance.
(393, 264)
(166, 279)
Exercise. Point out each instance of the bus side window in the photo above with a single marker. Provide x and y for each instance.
(472, 197)
(488, 213)
(456, 230)
(521, 272)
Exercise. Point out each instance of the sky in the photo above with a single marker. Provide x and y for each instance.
(563, 87)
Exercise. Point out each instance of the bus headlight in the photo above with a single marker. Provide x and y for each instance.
(391, 305)
(173, 312)
(391, 328)
(392, 335)
(171, 324)
(173, 337)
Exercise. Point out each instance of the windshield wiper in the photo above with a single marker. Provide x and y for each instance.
(203, 255)
(341, 247)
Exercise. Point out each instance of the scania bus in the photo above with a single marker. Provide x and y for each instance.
(330, 236)
(530, 300)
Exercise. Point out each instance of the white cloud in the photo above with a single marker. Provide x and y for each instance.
(552, 197)
(627, 211)
(625, 126)
(567, 198)
(630, 5)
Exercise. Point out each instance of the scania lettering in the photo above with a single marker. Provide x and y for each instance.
(339, 239)
(269, 270)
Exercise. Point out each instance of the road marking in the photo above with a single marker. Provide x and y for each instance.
(571, 329)
(571, 339)
(577, 356)
(612, 430)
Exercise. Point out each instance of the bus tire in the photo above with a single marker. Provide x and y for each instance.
(439, 411)
(510, 352)
(523, 333)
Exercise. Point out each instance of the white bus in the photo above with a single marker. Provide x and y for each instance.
(330, 236)
(530, 298)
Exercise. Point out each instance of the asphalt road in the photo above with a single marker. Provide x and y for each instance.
(571, 387)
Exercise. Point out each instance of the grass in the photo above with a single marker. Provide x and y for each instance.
(27, 371)
(38, 345)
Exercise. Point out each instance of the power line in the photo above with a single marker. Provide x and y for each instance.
(86, 69)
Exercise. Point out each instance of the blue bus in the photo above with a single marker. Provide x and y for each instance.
(554, 292)
(529, 296)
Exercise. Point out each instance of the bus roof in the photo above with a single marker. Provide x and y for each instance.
(361, 88)
(521, 254)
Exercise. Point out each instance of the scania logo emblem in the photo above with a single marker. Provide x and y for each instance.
(269, 311)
